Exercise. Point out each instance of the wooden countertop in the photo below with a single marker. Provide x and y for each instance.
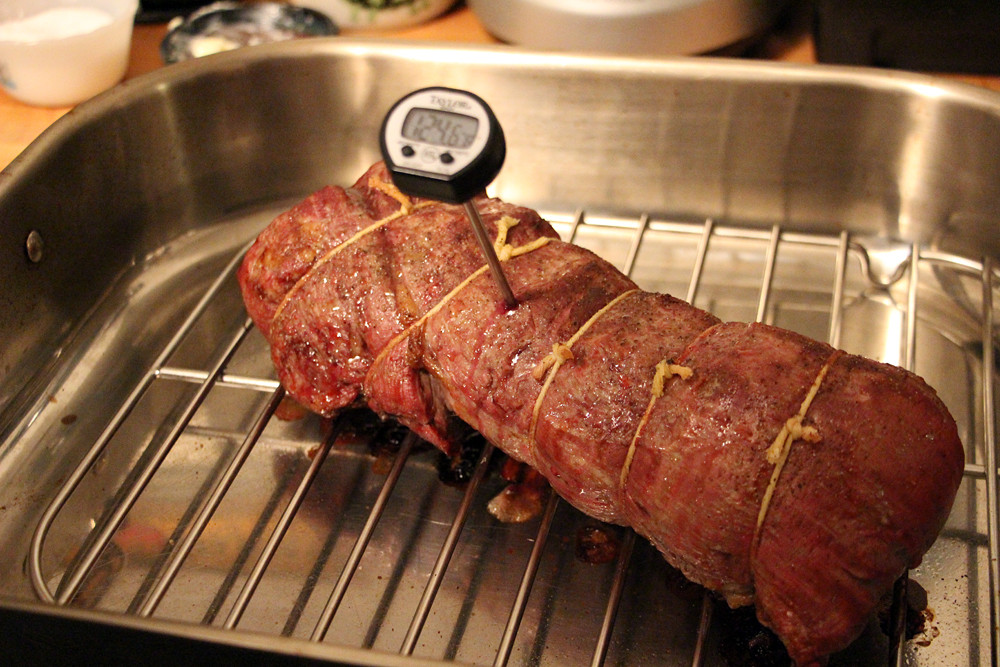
(20, 124)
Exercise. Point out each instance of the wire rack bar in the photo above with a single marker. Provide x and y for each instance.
(208, 506)
(578, 218)
(633, 251)
(767, 280)
(898, 610)
(912, 286)
(704, 624)
(196, 376)
(70, 583)
(694, 284)
(527, 581)
(770, 259)
(73, 481)
(444, 556)
(614, 599)
(839, 278)
(989, 435)
(699, 261)
(270, 509)
(351, 565)
(274, 541)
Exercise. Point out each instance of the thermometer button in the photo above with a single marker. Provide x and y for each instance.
(407, 151)
(447, 158)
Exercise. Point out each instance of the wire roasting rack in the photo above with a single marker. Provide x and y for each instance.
(202, 502)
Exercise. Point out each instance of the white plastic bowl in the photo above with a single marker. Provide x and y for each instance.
(58, 53)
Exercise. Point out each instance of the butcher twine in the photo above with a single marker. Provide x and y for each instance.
(507, 252)
(405, 203)
(665, 370)
(777, 454)
(406, 206)
(561, 353)
(791, 430)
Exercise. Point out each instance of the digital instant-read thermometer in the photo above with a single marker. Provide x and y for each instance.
(446, 144)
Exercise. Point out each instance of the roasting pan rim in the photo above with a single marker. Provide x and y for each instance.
(295, 650)
(696, 67)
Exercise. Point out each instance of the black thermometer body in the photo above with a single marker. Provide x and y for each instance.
(446, 144)
(443, 144)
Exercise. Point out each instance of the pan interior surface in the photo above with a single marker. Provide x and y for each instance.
(150, 472)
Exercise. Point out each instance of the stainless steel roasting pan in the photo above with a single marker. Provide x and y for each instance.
(153, 508)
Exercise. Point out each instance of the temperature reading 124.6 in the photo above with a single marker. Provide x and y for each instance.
(441, 128)
(442, 143)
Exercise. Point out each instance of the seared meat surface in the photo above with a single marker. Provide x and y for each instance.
(329, 286)
(764, 465)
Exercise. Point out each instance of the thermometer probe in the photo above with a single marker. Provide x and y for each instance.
(446, 144)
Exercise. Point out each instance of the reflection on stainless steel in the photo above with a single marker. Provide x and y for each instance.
(148, 482)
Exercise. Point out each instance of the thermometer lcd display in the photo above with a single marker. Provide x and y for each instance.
(441, 143)
(441, 128)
